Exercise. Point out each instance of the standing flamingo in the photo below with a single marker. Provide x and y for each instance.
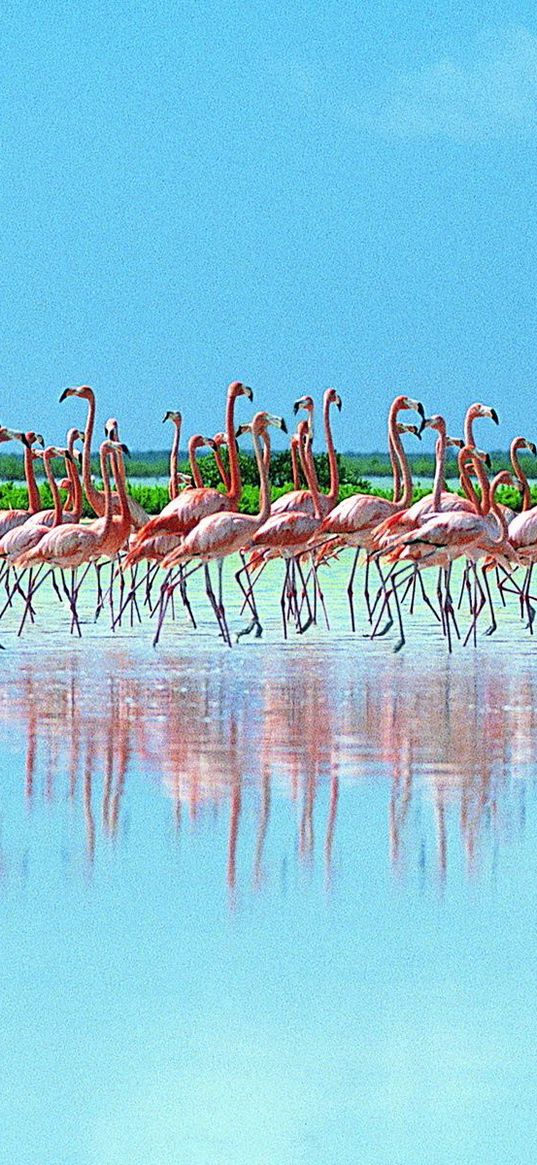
(221, 534)
(354, 520)
(302, 500)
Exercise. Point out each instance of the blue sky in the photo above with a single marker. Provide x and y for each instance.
(294, 195)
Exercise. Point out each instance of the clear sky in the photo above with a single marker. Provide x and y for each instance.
(296, 195)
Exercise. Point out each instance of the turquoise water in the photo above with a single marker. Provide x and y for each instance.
(268, 905)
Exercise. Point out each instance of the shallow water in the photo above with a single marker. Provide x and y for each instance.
(267, 905)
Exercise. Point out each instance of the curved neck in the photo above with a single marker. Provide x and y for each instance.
(396, 443)
(484, 484)
(118, 469)
(34, 497)
(194, 444)
(75, 493)
(311, 478)
(469, 427)
(53, 489)
(467, 484)
(94, 496)
(438, 484)
(235, 484)
(174, 453)
(499, 514)
(107, 494)
(221, 468)
(294, 463)
(519, 472)
(396, 469)
(263, 466)
(333, 492)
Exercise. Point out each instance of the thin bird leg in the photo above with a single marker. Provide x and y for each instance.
(254, 579)
(401, 641)
(292, 608)
(390, 584)
(478, 604)
(55, 586)
(389, 623)
(465, 588)
(413, 595)
(448, 605)
(426, 598)
(69, 594)
(221, 620)
(499, 586)
(129, 598)
(304, 626)
(104, 594)
(99, 587)
(283, 597)
(74, 596)
(318, 589)
(490, 630)
(366, 581)
(249, 600)
(350, 591)
(440, 599)
(524, 597)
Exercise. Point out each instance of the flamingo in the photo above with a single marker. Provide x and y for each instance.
(71, 546)
(219, 535)
(354, 520)
(451, 534)
(182, 514)
(288, 535)
(12, 518)
(302, 500)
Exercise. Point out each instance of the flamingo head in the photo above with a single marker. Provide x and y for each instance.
(402, 427)
(481, 410)
(172, 416)
(13, 435)
(237, 388)
(111, 429)
(220, 439)
(332, 398)
(262, 421)
(304, 402)
(435, 422)
(454, 442)
(111, 446)
(35, 439)
(83, 391)
(408, 402)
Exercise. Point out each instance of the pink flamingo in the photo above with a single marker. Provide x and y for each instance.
(354, 520)
(71, 546)
(452, 534)
(219, 535)
(12, 518)
(302, 500)
(288, 535)
(183, 513)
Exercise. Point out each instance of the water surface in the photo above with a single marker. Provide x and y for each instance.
(268, 905)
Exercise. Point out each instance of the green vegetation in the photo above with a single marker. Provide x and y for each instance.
(154, 497)
(354, 468)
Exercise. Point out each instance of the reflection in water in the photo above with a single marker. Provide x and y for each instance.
(288, 727)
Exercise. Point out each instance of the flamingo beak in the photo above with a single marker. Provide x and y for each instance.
(248, 391)
(337, 401)
(66, 392)
(494, 416)
(533, 448)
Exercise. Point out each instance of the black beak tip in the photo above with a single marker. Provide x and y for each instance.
(488, 461)
(296, 407)
(494, 416)
(421, 410)
(25, 441)
(421, 428)
(284, 427)
(64, 395)
(125, 449)
(249, 392)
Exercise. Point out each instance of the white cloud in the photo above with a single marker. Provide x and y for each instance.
(489, 92)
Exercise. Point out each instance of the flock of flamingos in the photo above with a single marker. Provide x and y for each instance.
(306, 528)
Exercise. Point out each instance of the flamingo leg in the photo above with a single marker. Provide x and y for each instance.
(350, 591)
(218, 611)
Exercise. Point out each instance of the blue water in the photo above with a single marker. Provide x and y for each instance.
(269, 905)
